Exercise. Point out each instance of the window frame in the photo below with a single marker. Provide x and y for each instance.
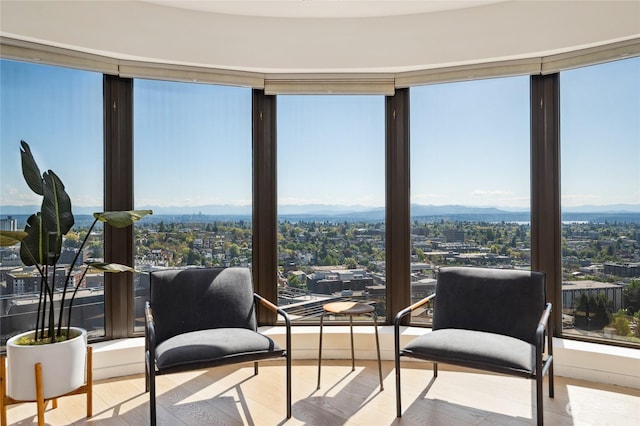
(545, 187)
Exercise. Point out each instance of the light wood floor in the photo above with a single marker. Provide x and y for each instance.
(233, 396)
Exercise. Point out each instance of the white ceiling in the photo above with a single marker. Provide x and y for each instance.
(322, 8)
(320, 36)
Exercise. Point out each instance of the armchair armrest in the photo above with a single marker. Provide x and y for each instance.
(150, 328)
(398, 319)
(543, 325)
(264, 302)
(412, 308)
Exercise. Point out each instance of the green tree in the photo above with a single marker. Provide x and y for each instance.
(602, 311)
(193, 257)
(350, 263)
(234, 250)
(329, 260)
(294, 281)
(632, 296)
(621, 323)
(592, 312)
(72, 240)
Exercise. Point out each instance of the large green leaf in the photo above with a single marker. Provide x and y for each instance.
(121, 219)
(34, 247)
(30, 169)
(45, 229)
(10, 238)
(56, 207)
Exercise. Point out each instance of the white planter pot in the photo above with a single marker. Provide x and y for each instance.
(63, 367)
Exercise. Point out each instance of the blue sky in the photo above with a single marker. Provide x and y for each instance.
(192, 144)
(470, 143)
(600, 134)
(469, 140)
(331, 150)
(61, 119)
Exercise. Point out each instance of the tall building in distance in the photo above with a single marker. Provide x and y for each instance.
(8, 224)
(454, 235)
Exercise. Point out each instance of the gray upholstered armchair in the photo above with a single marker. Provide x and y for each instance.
(200, 318)
(488, 319)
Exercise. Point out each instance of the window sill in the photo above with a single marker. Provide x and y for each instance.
(579, 360)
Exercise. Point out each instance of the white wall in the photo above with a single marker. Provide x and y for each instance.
(579, 360)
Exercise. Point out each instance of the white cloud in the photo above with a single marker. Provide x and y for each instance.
(496, 193)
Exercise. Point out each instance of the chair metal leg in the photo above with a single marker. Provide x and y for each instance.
(353, 355)
(539, 407)
(255, 368)
(3, 390)
(152, 390)
(288, 385)
(320, 349)
(550, 361)
(146, 371)
(396, 356)
(398, 397)
(551, 395)
(375, 327)
(288, 366)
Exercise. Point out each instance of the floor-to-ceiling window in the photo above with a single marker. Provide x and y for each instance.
(58, 112)
(470, 178)
(331, 194)
(193, 168)
(469, 147)
(600, 151)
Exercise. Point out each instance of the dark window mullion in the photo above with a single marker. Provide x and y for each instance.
(398, 215)
(118, 195)
(265, 210)
(546, 230)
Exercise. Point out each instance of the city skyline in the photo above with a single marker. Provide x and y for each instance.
(331, 148)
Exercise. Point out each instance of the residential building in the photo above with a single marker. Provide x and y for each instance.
(8, 224)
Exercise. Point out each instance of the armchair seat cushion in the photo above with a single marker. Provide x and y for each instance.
(214, 347)
(476, 349)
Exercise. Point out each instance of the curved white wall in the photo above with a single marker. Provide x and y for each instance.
(150, 32)
(579, 360)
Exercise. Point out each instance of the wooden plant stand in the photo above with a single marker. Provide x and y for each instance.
(41, 402)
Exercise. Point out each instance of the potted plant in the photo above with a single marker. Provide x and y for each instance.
(40, 247)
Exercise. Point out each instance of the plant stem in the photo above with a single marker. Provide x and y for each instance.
(73, 296)
(68, 278)
(41, 308)
(50, 289)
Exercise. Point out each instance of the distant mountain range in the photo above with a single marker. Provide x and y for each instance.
(358, 212)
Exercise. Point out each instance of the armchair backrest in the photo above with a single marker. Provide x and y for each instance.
(201, 298)
(502, 301)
